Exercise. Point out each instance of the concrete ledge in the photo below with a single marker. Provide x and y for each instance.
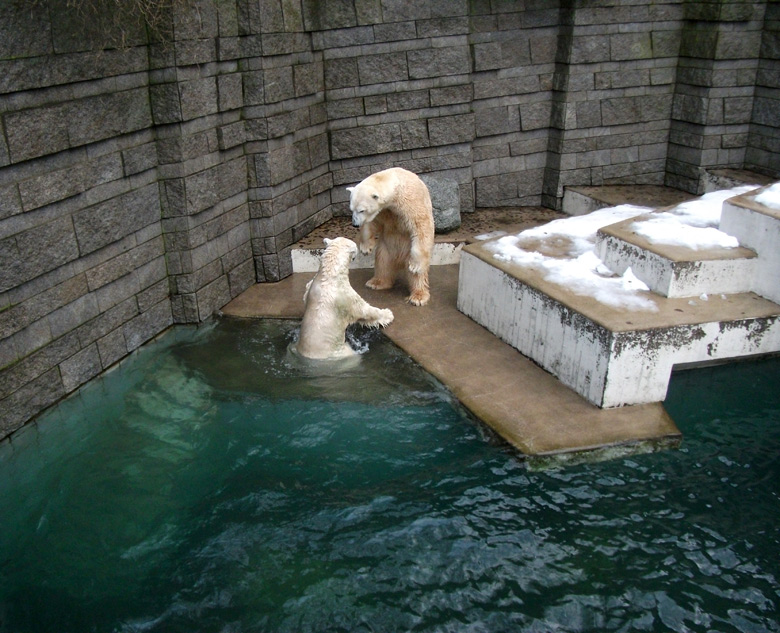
(675, 271)
(611, 356)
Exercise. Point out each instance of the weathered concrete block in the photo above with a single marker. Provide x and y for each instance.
(445, 196)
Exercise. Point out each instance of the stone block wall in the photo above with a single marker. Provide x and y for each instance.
(716, 91)
(398, 89)
(149, 172)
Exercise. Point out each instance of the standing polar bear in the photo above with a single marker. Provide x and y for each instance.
(332, 304)
(394, 212)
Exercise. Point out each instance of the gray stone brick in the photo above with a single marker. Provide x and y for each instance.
(25, 30)
(630, 46)
(139, 158)
(451, 94)
(112, 348)
(384, 68)
(165, 103)
(80, 367)
(437, 62)
(308, 79)
(278, 84)
(400, 10)
(147, 325)
(375, 139)
(213, 297)
(50, 187)
(339, 38)
(254, 90)
(501, 120)
(10, 203)
(621, 110)
(29, 400)
(37, 363)
(589, 49)
(109, 221)
(198, 98)
(73, 315)
(341, 73)
(321, 15)
(190, 52)
(36, 132)
(395, 31)
(451, 129)
(414, 134)
(230, 92)
(408, 100)
(241, 277)
(103, 116)
(443, 26)
(231, 135)
(36, 251)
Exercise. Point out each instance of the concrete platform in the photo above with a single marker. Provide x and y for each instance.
(543, 419)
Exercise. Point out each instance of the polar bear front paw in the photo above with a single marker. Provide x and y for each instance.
(375, 283)
(385, 318)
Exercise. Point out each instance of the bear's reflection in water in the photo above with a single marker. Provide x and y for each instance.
(253, 356)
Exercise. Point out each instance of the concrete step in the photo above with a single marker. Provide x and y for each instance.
(674, 270)
(612, 356)
(616, 353)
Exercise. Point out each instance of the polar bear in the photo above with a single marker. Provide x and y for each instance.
(332, 304)
(393, 210)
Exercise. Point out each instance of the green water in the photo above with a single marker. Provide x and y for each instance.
(213, 483)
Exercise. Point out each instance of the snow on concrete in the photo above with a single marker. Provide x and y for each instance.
(770, 197)
(576, 265)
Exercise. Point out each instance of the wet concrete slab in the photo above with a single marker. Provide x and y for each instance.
(544, 420)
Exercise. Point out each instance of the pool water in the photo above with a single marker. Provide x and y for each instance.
(212, 482)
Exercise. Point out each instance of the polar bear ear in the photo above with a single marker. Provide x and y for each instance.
(327, 240)
(350, 189)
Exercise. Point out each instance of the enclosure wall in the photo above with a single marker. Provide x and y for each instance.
(154, 165)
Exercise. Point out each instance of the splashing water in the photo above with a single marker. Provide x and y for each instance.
(210, 484)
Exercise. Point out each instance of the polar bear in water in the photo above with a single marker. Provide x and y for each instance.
(332, 305)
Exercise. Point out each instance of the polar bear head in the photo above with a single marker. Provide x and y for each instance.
(371, 195)
(339, 252)
(365, 203)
